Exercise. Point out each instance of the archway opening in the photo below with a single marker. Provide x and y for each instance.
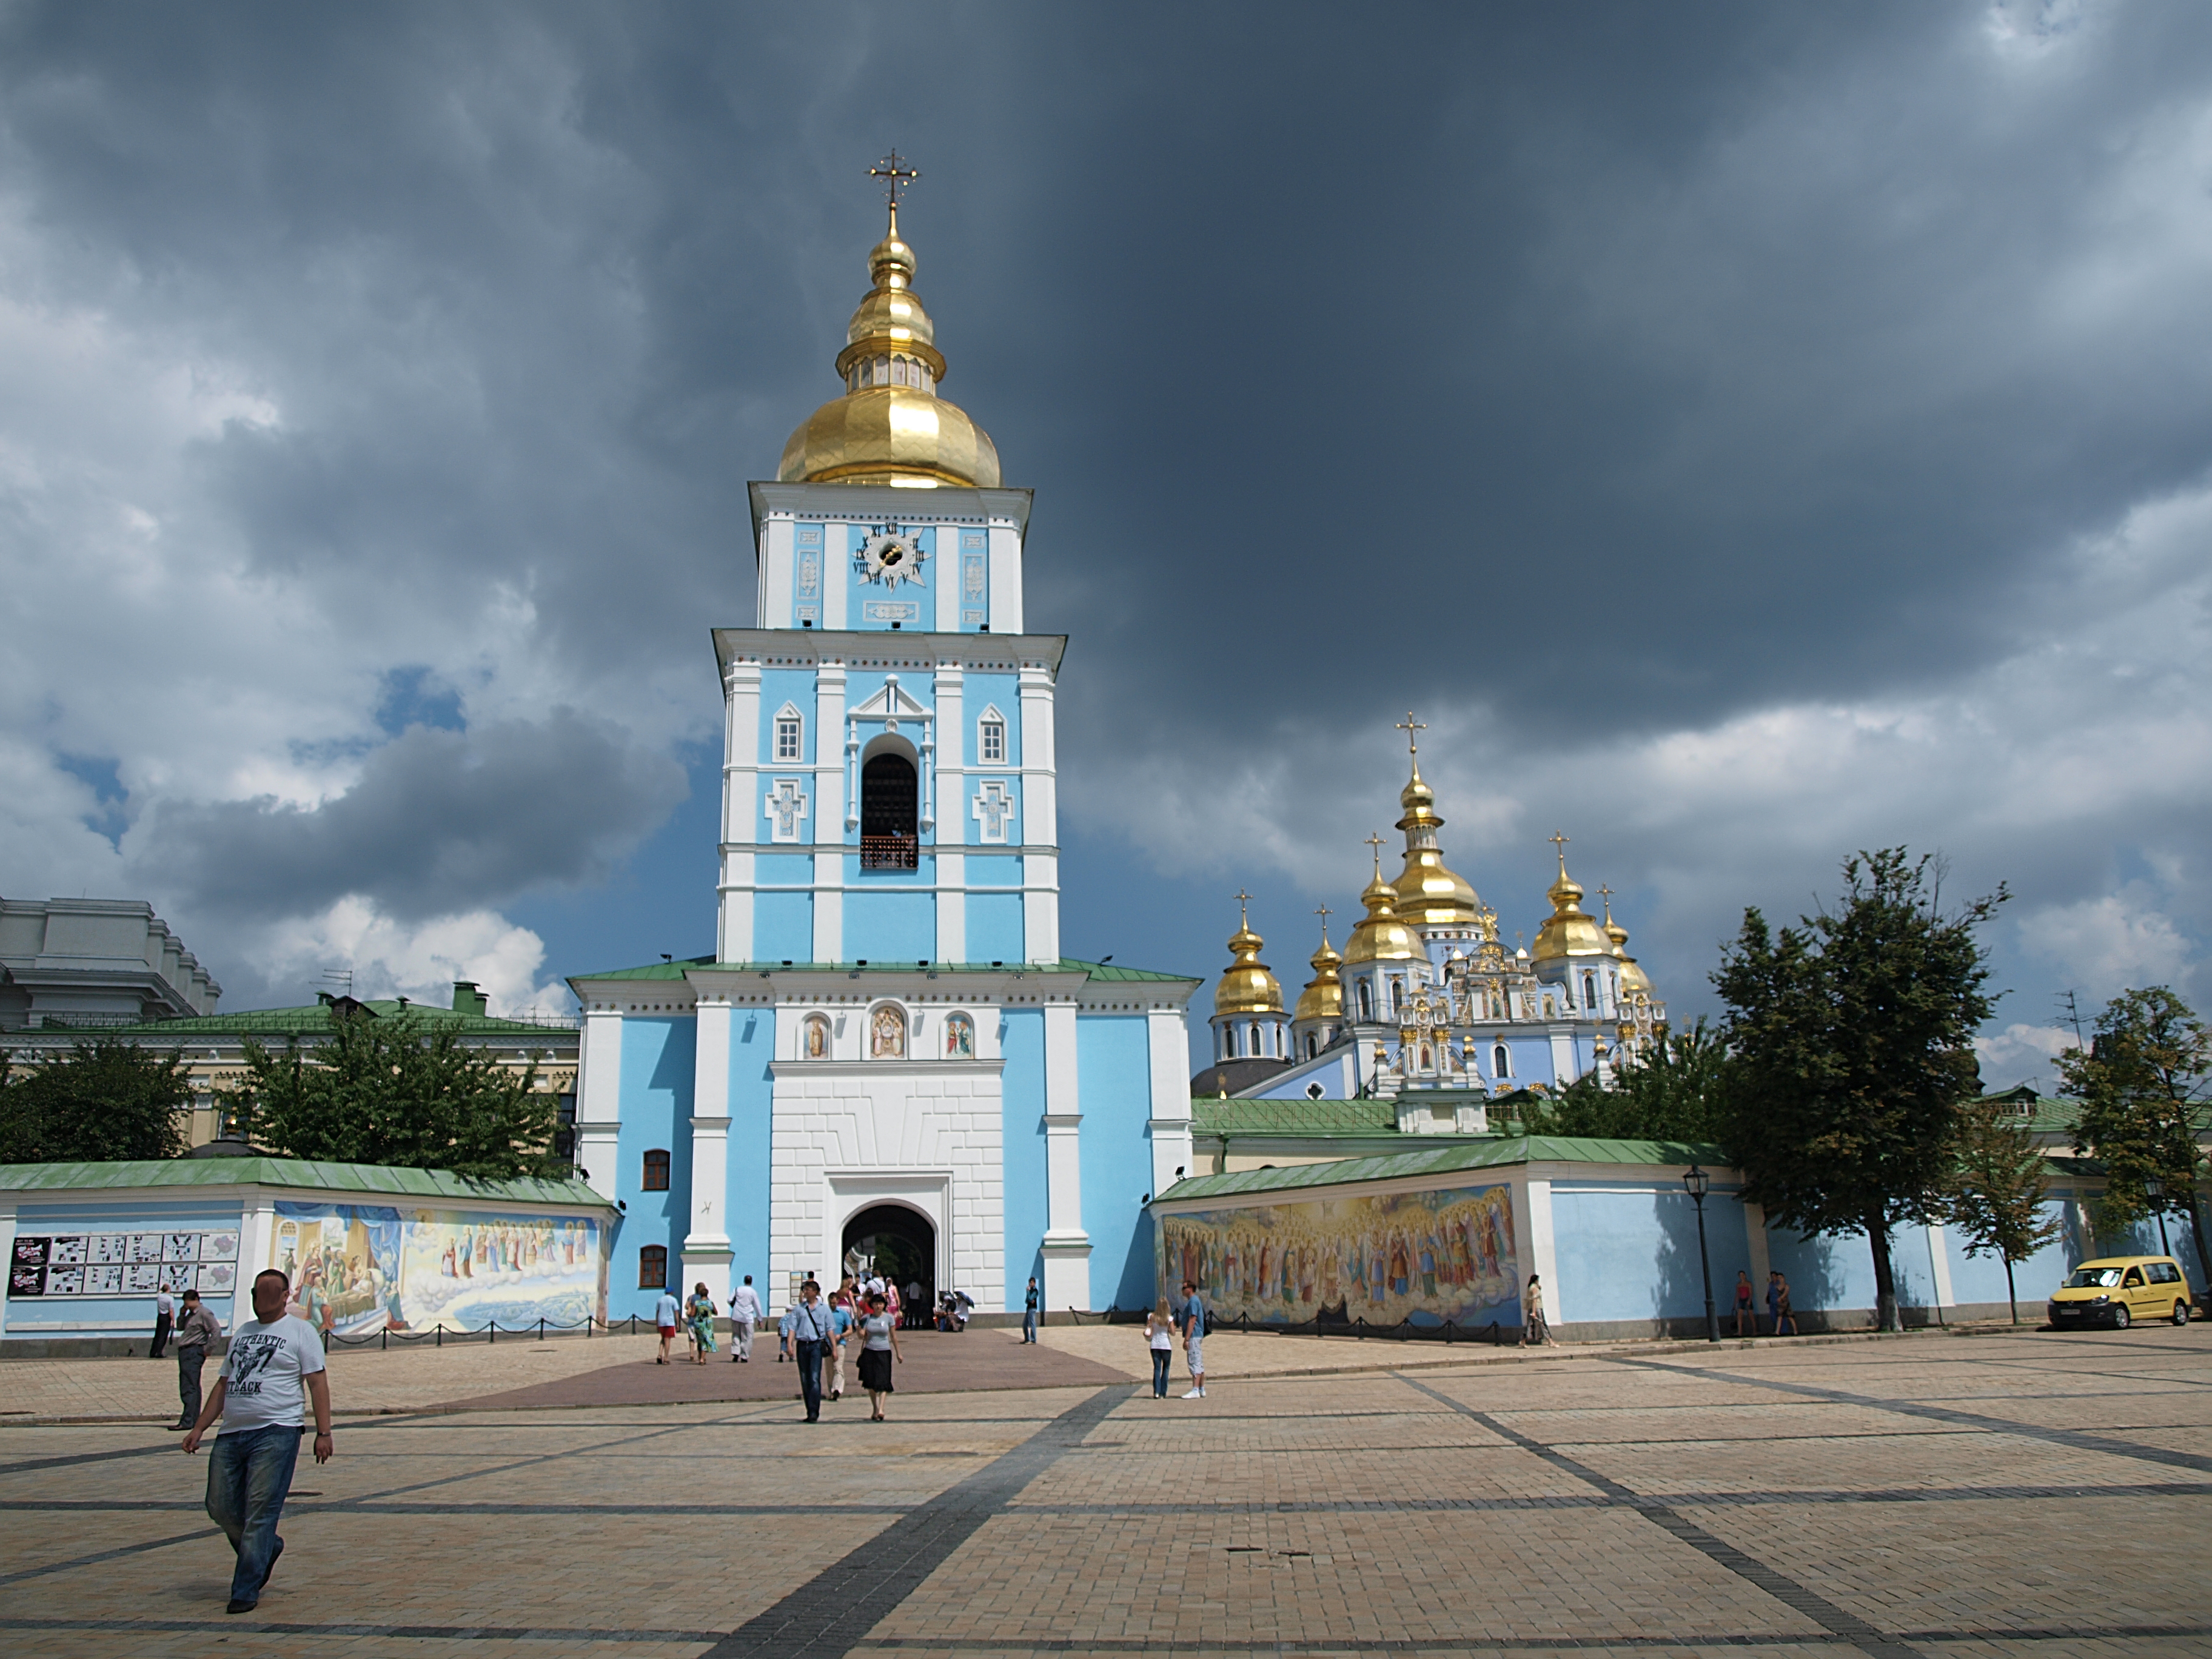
(898, 1243)
(890, 797)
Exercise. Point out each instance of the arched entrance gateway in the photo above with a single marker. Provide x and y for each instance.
(896, 1242)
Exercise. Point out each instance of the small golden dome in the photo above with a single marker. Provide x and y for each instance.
(891, 426)
(1380, 936)
(1246, 987)
(1632, 977)
(1323, 997)
(1569, 931)
(1427, 894)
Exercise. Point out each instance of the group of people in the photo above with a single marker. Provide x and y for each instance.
(815, 1333)
(1186, 1319)
(1781, 1321)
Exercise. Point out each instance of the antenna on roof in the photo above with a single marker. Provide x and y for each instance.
(341, 977)
(2073, 1013)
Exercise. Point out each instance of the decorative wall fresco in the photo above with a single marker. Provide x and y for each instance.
(1424, 1257)
(356, 1268)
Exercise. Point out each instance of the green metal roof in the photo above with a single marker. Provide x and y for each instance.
(1461, 1153)
(1105, 973)
(1239, 1117)
(308, 1021)
(299, 1174)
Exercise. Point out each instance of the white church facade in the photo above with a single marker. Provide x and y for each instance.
(887, 1057)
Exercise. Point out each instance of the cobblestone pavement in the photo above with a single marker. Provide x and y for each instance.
(2030, 1494)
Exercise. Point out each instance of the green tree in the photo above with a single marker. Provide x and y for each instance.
(1675, 1094)
(1852, 1059)
(107, 1100)
(399, 1091)
(2141, 1085)
(1997, 1196)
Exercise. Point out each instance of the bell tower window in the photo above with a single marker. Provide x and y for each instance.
(789, 731)
(991, 741)
(890, 794)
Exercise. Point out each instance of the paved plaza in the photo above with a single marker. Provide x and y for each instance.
(1992, 1493)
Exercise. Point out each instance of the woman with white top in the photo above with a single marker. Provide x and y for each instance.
(1159, 1333)
(880, 1348)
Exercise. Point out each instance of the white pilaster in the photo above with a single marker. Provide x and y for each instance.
(1169, 1051)
(734, 928)
(1005, 579)
(707, 1245)
(598, 1098)
(1066, 1247)
(1754, 1226)
(1040, 819)
(829, 802)
(256, 1244)
(952, 813)
(1939, 1265)
(7, 1249)
(1539, 1256)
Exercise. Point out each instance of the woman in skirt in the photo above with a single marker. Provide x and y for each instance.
(879, 1350)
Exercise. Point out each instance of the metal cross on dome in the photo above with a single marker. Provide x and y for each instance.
(1243, 922)
(1409, 726)
(896, 177)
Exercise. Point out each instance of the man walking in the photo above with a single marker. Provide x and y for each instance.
(666, 1313)
(807, 1329)
(1030, 1313)
(1192, 1317)
(745, 1314)
(275, 1366)
(196, 1330)
(164, 1315)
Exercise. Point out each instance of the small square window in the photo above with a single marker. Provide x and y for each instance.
(787, 739)
(652, 1267)
(993, 744)
(656, 1172)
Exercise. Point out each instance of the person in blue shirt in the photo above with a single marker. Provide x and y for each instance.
(1030, 1313)
(1191, 1317)
(808, 1329)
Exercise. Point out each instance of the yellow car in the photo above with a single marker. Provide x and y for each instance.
(2119, 1290)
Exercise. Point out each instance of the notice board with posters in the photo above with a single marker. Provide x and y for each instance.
(119, 1263)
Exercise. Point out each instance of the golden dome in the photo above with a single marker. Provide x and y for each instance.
(1569, 931)
(1632, 977)
(1380, 936)
(891, 426)
(1323, 997)
(1427, 894)
(1246, 987)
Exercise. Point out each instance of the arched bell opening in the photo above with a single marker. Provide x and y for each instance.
(890, 805)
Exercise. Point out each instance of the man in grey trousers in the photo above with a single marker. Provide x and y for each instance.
(196, 1330)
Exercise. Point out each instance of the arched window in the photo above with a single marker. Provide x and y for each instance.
(889, 798)
(1501, 1061)
(959, 1038)
(656, 1172)
(653, 1267)
(1313, 1048)
(1366, 1001)
(1589, 990)
(1397, 994)
(1256, 1049)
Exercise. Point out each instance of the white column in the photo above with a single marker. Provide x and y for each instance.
(830, 809)
(1005, 577)
(733, 933)
(1040, 820)
(1066, 1246)
(7, 1249)
(1939, 1266)
(952, 802)
(598, 1098)
(706, 1246)
(257, 1242)
(1538, 1257)
(1169, 1051)
(1754, 1226)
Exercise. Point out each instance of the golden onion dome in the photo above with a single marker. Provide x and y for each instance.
(1632, 977)
(1323, 997)
(1380, 936)
(1427, 894)
(891, 426)
(1569, 931)
(1246, 987)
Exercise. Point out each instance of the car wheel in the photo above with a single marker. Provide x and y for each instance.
(2181, 1313)
(2120, 1320)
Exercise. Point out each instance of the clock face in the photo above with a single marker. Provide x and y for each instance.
(891, 558)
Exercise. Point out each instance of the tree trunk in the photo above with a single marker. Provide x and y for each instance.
(1885, 1280)
(2012, 1297)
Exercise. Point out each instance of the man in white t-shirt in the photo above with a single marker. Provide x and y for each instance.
(745, 1314)
(666, 1313)
(273, 1369)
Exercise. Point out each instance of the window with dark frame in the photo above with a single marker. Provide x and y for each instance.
(890, 797)
(656, 1172)
(652, 1266)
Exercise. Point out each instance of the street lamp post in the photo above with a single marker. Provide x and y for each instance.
(1696, 1181)
(2155, 1190)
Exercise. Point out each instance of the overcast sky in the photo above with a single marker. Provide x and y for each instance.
(1743, 434)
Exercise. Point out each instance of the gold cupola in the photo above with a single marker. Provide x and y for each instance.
(891, 426)
(1323, 998)
(1632, 977)
(1427, 894)
(1569, 931)
(1380, 936)
(1246, 987)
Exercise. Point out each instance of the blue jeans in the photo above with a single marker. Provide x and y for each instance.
(1162, 1357)
(811, 1356)
(1029, 1325)
(249, 1474)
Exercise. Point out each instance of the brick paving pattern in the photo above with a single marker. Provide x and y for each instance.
(2005, 1494)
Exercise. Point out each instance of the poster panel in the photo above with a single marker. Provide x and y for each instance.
(1426, 1257)
(115, 1264)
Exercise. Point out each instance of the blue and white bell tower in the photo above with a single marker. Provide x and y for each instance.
(887, 1057)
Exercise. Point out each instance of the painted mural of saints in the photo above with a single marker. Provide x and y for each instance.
(959, 1038)
(817, 1039)
(887, 1035)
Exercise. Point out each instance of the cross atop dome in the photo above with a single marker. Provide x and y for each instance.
(896, 179)
(1410, 726)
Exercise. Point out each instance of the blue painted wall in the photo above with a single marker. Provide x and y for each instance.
(994, 927)
(783, 928)
(1626, 1255)
(1022, 1129)
(1113, 1080)
(896, 926)
(1981, 1277)
(124, 1314)
(747, 1188)
(1837, 1271)
(659, 1054)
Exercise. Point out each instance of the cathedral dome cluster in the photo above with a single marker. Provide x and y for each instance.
(891, 426)
(1424, 1002)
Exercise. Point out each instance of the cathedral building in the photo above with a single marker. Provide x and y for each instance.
(887, 1060)
(1425, 1007)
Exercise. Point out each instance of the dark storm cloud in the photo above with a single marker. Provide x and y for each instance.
(439, 822)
